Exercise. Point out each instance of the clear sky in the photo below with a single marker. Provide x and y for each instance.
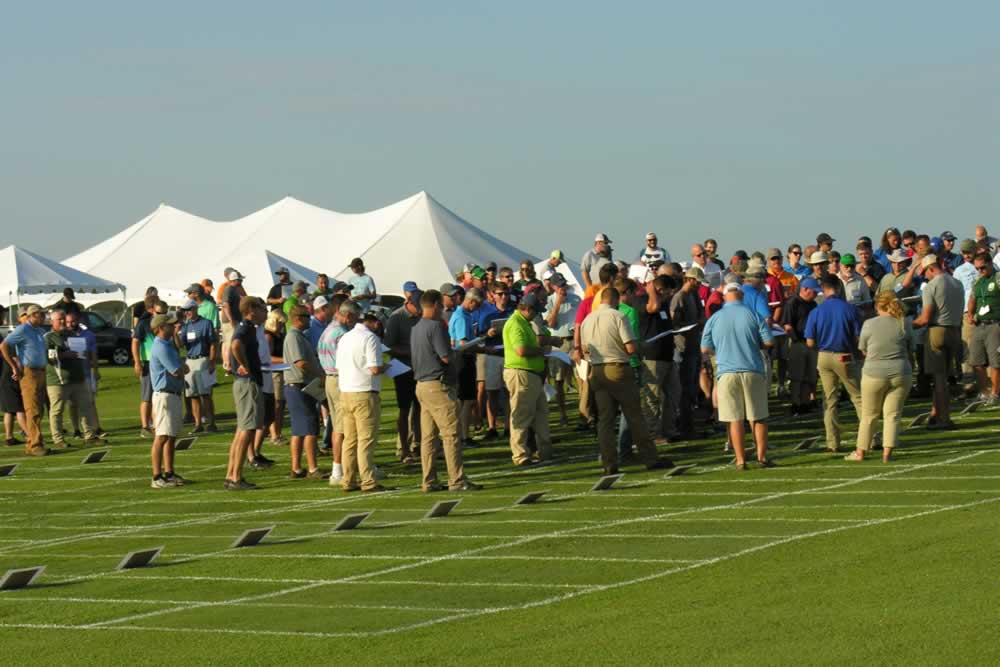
(758, 123)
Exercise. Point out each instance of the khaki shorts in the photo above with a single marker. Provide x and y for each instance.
(983, 349)
(199, 380)
(481, 367)
(249, 401)
(168, 414)
(944, 345)
(558, 371)
(279, 384)
(802, 363)
(742, 396)
(332, 387)
(227, 333)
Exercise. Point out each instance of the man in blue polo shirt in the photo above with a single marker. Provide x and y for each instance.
(735, 335)
(197, 337)
(24, 350)
(166, 372)
(833, 328)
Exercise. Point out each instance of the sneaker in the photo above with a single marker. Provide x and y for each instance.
(13, 442)
(491, 434)
(244, 485)
(378, 488)
(196, 430)
(317, 474)
(297, 474)
(265, 460)
(336, 474)
(467, 486)
(433, 488)
(38, 451)
(146, 433)
(173, 479)
(257, 464)
(230, 485)
(211, 428)
(377, 473)
(767, 463)
(159, 483)
(77, 435)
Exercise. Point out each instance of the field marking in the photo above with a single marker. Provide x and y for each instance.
(275, 605)
(353, 582)
(120, 480)
(387, 557)
(512, 543)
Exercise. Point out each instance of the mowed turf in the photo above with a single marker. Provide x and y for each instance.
(816, 561)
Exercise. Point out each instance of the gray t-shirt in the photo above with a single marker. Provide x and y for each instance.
(428, 345)
(591, 265)
(397, 330)
(948, 298)
(298, 348)
(885, 341)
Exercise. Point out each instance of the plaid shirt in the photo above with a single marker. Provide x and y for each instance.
(327, 348)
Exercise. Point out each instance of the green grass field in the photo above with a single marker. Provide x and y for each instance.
(817, 561)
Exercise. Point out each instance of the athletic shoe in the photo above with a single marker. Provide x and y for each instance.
(491, 434)
(230, 485)
(196, 430)
(146, 433)
(265, 460)
(767, 463)
(38, 451)
(336, 475)
(159, 483)
(434, 488)
(378, 488)
(257, 464)
(378, 474)
(244, 485)
(316, 474)
(13, 442)
(467, 486)
(211, 428)
(297, 474)
(77, 435)
(173, 479)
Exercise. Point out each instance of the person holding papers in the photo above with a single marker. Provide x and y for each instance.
(608, 342)
(460, 330)
(560, 314)
(327, 353)
(303, 370)
(359, 370)
(198, 340)
(489, 321)
(66, 382)
(432, 369)
(397, 339)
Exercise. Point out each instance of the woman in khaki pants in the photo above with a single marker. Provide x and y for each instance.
(886, 378)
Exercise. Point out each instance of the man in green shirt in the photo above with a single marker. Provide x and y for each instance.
(524, 373)
(297, 298)
(983, 310)
(65, 380)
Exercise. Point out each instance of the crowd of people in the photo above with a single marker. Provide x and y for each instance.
(658, 351)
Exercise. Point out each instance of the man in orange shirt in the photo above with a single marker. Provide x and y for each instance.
(789, 288)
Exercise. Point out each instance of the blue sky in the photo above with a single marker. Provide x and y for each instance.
(544, 123)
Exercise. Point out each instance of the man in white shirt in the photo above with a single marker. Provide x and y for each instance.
(359, 365)
(699, 258)
(856, 290)
(967, 274)
(560, 315)
(652, 253)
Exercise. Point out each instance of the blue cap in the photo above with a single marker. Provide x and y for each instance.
(811, 283)
(936, 243)
(409, 286)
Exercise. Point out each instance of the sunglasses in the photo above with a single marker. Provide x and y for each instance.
(795, 252)
(501, 294)
(700, 254)
(908, 244)
(983, 269)
(506, 276)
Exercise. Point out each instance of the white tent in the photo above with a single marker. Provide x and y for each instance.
(26, 274)
(570, 271)
(414, 239)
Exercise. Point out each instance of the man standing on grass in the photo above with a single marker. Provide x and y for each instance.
(943, 306)
(524, 371)
(359, 370)
(91, 374)
(833, 328)
(197, 337)
(232, 292)
(327, 353)
(25, 353)
(432, 368)
(281, 290)
(397, 339)
(303, 408)
(560, 315)
(65, 380)
(983, 311)
(248, 380)
(364, 287)
(736, 335)
(594, 259)
(142, 343)
(167, 373)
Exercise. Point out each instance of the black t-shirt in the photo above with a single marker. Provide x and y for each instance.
(651, 324)
(231, 296)
(246, 333)
(138, 310)
(796, 313)
(278, 291)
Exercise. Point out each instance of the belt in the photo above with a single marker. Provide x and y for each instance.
(986, 324)
(196, 358)
(944, 326)
(297, 385)
(167, 391)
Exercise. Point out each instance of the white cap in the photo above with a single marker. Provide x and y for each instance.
(929, 260)
(602, 238)
(234, 275)
(547, 274)
(731, 287)
(319, 302)
(650, 235)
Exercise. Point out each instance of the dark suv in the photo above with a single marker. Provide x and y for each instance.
(113, 343)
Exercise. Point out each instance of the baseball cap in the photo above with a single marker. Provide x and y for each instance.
(300, 284)
(492, 266)
(650, 235)
(319, 302)
(448, 289)
(818, 257)
(773, 252)
(194, 288)
(899, 256)
(341, 286)
(731, 287)
(531, 300)
(696, 273)
(410, 286)
(811, 283)
(190, 304)
(281, 269)
(32, 309)
(847, 259)
(936, 243)
(160, 320)
(928, 260)
(602, 237)
(557, 280)
(234, 275)
(556, 254)
(824, 238)
(478, 272)
(947, 236)
(968, 245)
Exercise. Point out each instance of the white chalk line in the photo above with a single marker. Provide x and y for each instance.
(479, 550)
(274, 605)
(386, 557)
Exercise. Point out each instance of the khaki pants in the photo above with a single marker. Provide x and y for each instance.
(361, 415)
(33, 397)
(968, 331)
(881, 396)
(584, 388)
(651, 395)
(529, 409)
(77, 394)
(332, 387)
(438, 415)
(832, 373)
(671, 399)
(614, 387)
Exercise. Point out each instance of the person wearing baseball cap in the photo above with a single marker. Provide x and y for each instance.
(967, 274)
(856, 290)
(298, 297)
(197, 337)
(451, 298)
(398, 329)
(950, 259)
(556, 259)
(652, 253)
(364, 286)
(801, 358)
(902, 279)
(686, 310)
(25, 352)
(281, 290)
(229, 301)
(167, 372)
(590, 265)
(824, 242)
(524, 367)
(560, 315)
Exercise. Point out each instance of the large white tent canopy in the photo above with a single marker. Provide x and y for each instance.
(414, 239)
(24, 273)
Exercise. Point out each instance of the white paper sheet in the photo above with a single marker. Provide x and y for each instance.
(472, 343)
(777, 330)
(274, 368)
(77, 345)
(396, 368)
(561, 356)
(671, 333)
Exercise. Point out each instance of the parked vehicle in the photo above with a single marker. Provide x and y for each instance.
(114, 344)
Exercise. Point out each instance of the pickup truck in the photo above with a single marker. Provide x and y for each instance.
(114, 344)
